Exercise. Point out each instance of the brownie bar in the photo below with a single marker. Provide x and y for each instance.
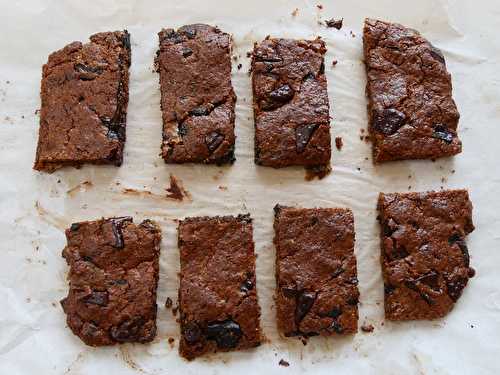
(411, 111)
(316, 275)
(84, 103)
(197, 97)
(112, 280)
(290, 100)
(425, 260)
(217, 295)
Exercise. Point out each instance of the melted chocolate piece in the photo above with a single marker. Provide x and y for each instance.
(303, 134)
(226, 334)
(388, 121)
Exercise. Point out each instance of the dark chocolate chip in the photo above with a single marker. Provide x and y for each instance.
(399, 252)
(82, 68)
(431, 279)
(314, 221)
(388, 121)
(305, 301)
(337, 327)
(338, 272)
(335, 23)
(455, 287)
(227, 158)
(303, 134)
(388, 289)
(437, 54)
(277, 98)
(199, 111)
(182, 129)
(127, 331)
(121, 282)
(116, 227)
(87, 258)
(334, 313)
(427, 298)
(457, 239)
(244, 218)
(353, 280)
(191, 332)
(443, 133)
(353, 300)
(322, 68)
(74, 227)
(97, 298)
(266, 59)
(226, 334)
(186, 52)
(247, 285)
(309, 76)
(190, 32)
(213, 140)
(126, 40)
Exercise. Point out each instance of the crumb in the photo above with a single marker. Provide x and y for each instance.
(171, 341)
(472, 326)
(319, 6)
(37, 112)
(117, 183)
(235, 58)
(304, 340)
(175, 191)
(366, 158)
(222, 187)
(7, 82)
(168, 303)
(334, 62)
(352, 34)
(28, 300)
(409, 187)
(334, 23)
(22, 116)
(174, 310)
(452, 171)
(239, 66)
(339, 143)
(294, 14)
(283, 363)
(359, 169)
(54, 304)
(59, 181)
(443, 179)
(362, 130)
(409, 176)
(367, 328)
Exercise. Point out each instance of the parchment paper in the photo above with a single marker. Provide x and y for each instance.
(35, 207)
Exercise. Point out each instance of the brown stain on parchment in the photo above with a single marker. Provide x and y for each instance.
(49, 217)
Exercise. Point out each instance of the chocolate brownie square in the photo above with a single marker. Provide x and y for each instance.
(290, 100)
(217, 296)
(425, 261)
(316, 275)
(112, 280)
(197, 97)
(84, 103)
(411, 111)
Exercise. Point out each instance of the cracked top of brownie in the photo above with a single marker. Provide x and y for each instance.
(112, 280)
(197, 97)
(411, 111)
(217, 294)
(316, 274)
(84, 98)
(425, 260)
(292, 125)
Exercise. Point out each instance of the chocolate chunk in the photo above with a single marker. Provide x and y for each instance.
(226, 334)
(116, 227)
(443, 133)
(247, 285)
(431, 279)
(126, 40)
(74, 227)
(213, 140)
(199, 111)
(457, 239)
(189, 31)
(334, 313)
(97, 298)
(191, 332)
(277, 98)
(455, 287)
(283, 363)
(437, 54)
(186, 52)
(289, 292)
(335, 23)
(337, 327)
(127, 331)
(305, 301)
(303, 134)
(388, 121)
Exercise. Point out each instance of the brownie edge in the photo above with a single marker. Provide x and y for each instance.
(113, 277)
(424, 256)
(316, 273)
(218, 304)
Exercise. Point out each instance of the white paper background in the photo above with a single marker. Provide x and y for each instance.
(33, 336)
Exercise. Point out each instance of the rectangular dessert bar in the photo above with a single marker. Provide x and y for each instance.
(113, 278)
(425, 261)
(217, 295)
(84, 98)
(290, 100)
(411, 111)
(197, 97)
(316, 274)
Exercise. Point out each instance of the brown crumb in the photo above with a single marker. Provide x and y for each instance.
(352, 34)
(174, 310)
(239, 66)
(222, 187)
(358, 168)
(283, 363)
(443, 180)
(295, 12)
(175, 191)
(362, 130)
(409, 187)
(171, 341)
(54, 304)
(334, 23)
(368, 328)
(366, 158)
(339, 143)
(37, 112)
(82, 185)
(334, 62)
(452, 171)
(319, 6)
(168, 303)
